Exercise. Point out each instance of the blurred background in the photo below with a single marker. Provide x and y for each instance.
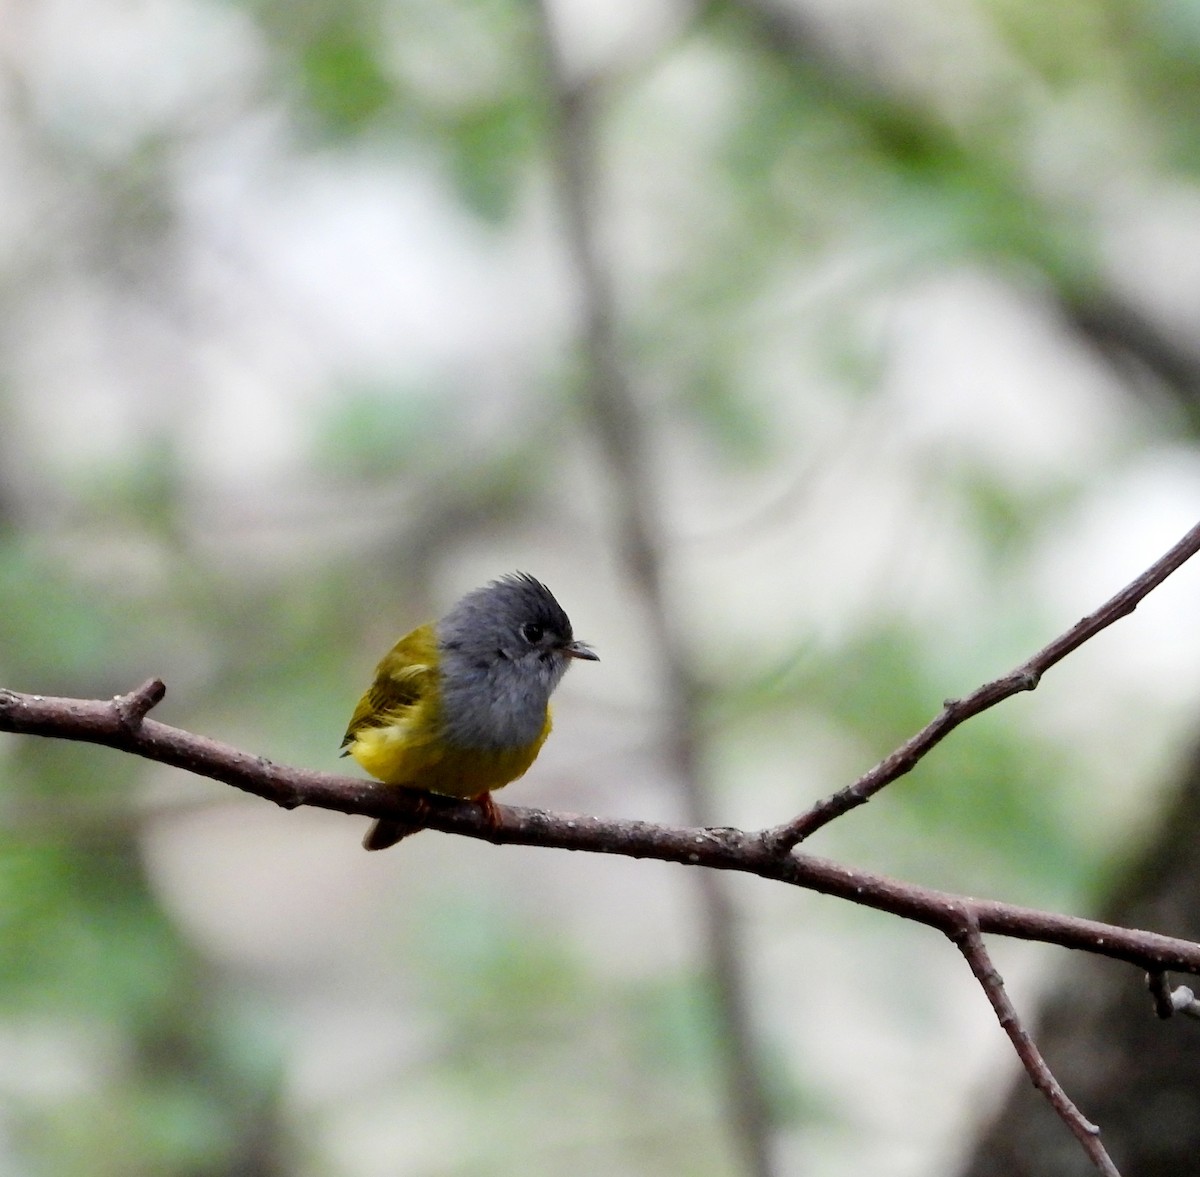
(826, 359)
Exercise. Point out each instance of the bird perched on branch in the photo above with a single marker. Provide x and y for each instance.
(462, 706)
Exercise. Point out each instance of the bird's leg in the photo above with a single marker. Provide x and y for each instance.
(487, 807)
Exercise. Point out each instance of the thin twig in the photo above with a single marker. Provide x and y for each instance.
(956, 711)
(1160, 991)
(132, 708)
(970, 943)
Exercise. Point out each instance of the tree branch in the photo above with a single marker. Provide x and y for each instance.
(970, 944)
(956, 711)
(121, 723)
(100, 721)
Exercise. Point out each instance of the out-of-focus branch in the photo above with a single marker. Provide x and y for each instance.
(1168, 1000)
(1130, 339)
(614, 419)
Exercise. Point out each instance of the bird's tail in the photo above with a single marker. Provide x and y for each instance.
(383, 834)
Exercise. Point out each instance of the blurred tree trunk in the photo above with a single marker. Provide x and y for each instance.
(1135, 1076)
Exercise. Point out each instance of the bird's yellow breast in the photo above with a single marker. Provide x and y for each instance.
(401, 756)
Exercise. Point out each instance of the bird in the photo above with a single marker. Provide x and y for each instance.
(461, 706)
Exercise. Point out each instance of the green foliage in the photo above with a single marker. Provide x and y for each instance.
(58, 634)
(380, 433)
(344, 82)
(452, 78)
(490, 146)
(1066, 43)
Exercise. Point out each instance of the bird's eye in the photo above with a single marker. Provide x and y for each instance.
(532, 632)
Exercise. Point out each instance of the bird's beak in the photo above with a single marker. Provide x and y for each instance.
(581, 650)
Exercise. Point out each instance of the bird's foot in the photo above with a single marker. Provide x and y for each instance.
(487, 807)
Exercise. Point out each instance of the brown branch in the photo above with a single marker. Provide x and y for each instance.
(99, 721)
(956, 711)
(131, 709)
(970, 943)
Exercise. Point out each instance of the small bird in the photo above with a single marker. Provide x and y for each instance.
(462, 706)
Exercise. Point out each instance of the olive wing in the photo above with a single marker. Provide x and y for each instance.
(402, 679)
